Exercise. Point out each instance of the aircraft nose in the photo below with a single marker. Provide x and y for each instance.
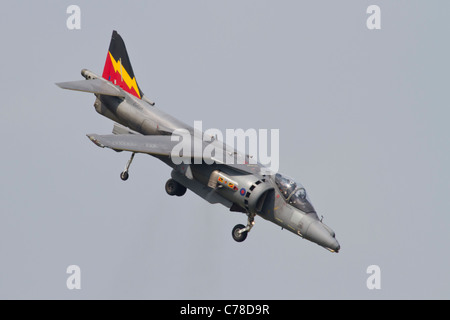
(324, 237)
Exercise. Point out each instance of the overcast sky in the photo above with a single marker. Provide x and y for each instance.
(364, 126)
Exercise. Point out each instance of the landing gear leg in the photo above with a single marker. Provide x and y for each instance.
(240, 232)
(124, 174)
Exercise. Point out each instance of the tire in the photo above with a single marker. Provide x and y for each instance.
(239, 237)
(172, 187)
(124, 175)
(181, 190)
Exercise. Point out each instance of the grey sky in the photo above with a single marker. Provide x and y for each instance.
(363, 118)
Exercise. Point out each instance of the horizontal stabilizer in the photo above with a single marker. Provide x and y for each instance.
(98, 86)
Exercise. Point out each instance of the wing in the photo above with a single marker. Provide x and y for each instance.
(153, 145)
(162, 145)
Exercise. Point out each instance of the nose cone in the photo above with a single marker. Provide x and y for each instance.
(323, 236)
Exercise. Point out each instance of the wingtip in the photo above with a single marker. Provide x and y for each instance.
(95, 140)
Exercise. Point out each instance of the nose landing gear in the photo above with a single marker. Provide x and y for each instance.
(240, 232)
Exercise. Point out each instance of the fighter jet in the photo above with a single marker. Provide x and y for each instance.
(239, 184)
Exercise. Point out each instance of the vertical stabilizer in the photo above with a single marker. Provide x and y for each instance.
(118, 68)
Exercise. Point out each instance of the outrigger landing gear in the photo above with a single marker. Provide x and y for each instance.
(124, 174)
(240, 232)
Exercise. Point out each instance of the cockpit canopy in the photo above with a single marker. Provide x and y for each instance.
(294, 193)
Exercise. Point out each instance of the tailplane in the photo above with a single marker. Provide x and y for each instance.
(118, 68)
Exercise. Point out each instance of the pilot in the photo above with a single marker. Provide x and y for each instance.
(290, 187)
(285, 185)
(301, 193)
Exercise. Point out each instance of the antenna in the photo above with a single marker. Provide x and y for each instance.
(120, 62)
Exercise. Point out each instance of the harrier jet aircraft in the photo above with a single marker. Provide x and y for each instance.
(140, 127)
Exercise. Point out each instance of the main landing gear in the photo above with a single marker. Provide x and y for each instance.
(174, 188)
(240, 231)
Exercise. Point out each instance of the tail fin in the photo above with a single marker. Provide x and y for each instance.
(118, 68)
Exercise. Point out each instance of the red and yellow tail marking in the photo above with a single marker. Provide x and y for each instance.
(121, 77)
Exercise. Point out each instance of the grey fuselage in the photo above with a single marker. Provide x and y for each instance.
(262, 194)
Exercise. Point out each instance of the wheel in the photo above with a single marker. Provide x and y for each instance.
(181, 190)
(239, 237)
(124, 175)
(172, 187)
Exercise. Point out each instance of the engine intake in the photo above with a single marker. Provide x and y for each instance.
(243, 190)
